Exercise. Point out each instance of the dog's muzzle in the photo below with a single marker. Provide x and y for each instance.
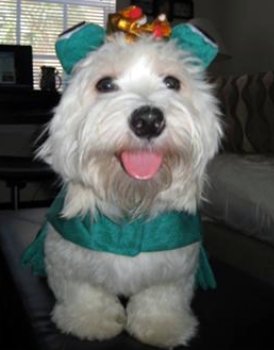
(147, 122)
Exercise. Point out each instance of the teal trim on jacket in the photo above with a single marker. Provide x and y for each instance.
(168, 231)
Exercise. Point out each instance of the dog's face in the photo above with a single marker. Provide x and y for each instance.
(134, 130)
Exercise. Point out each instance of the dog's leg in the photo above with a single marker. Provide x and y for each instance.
(161, 316)
(88, 312)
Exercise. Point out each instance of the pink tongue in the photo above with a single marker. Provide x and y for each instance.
(141, 165)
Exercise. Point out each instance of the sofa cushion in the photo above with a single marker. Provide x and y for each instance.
(240, 194)
(247, 103)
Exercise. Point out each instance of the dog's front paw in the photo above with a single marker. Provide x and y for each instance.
(159, 323)
(100, 317)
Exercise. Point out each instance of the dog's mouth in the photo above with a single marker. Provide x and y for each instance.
(141, 165)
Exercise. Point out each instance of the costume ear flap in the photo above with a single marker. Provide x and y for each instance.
(190, 38)
(74, 44)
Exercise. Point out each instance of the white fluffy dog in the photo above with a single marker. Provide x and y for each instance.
(130, 138)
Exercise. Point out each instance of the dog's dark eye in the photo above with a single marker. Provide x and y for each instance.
(106, 84)
(172, 83)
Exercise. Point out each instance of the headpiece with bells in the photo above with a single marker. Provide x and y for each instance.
(74, 44)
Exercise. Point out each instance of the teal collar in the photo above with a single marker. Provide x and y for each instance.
(167, 231)
(171, 230)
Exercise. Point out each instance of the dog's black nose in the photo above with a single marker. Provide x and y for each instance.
(147, 122)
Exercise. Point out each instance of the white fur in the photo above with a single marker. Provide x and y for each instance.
(87, 132)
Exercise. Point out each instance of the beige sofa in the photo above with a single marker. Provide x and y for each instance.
(239, 212)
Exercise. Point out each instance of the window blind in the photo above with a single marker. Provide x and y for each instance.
(39, 22)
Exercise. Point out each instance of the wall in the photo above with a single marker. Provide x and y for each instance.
(247, 28)
(122, 4)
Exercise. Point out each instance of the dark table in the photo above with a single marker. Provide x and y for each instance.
(24, 107)
(239, 314)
